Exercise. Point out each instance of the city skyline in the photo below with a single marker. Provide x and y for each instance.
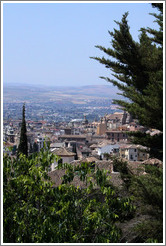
(50, 43)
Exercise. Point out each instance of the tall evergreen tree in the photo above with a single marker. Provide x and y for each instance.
(23, 146)
(138, 72)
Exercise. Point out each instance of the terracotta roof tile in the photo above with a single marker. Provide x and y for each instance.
(62, 152)
(56, 175)
(152, 161)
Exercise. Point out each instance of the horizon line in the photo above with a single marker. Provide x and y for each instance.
(52, 85)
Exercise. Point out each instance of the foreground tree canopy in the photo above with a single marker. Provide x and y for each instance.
(137, 71)
(36, 212)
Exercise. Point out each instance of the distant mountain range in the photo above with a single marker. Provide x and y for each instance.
(20, 92)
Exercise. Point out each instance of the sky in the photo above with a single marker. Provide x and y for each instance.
(51, 43)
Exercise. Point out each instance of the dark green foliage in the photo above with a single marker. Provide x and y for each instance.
(137, 70)
(154, 143)
(147, 193)
(35, 212)
(122, 167)
(149, 190)
(157, 35)
(35, 147)
(23, 146)
(107, 156)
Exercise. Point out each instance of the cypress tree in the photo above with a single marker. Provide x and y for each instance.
(23, 146)
(137, 71)
(74, 150)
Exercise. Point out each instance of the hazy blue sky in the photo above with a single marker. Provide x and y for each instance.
(50, 43)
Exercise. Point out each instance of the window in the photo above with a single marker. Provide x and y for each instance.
(135, 150)
(131, 157)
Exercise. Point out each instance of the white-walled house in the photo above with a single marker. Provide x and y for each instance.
(133, 152)
(40, 142)
(65, 155)
(107, 147)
